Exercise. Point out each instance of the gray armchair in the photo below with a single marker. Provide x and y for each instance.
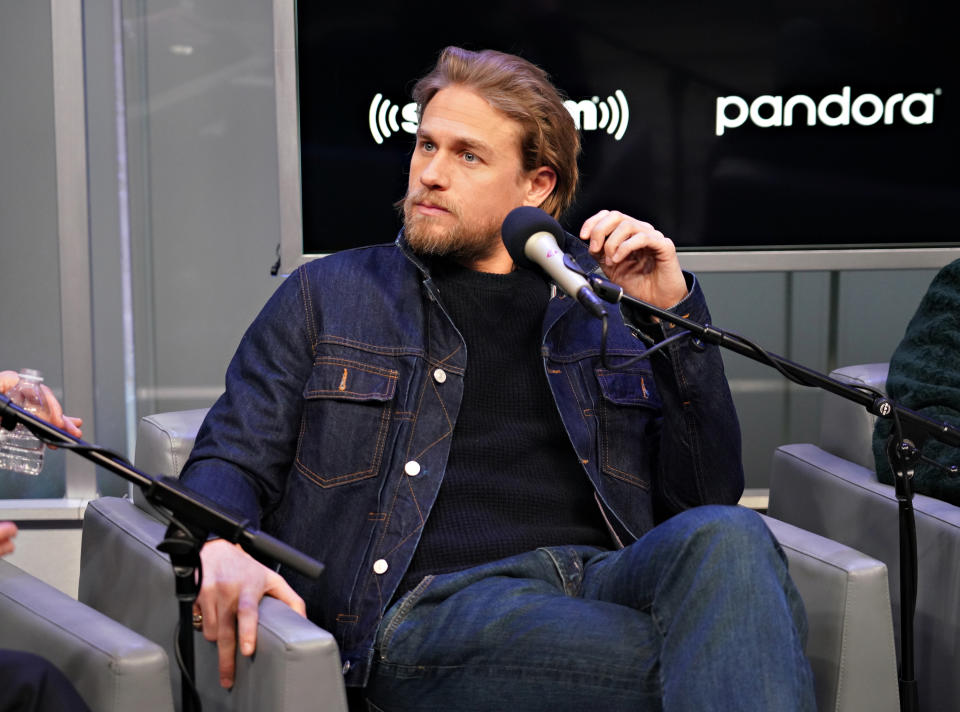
(850, 644)
(297, 664)
(832, 489)
(113, 668)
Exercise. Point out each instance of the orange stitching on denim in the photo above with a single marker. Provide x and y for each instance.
(576, 396)
(391, 373)
(626, 477)
(413, 531)
(695, 451)
(328, 482)
(347, 618)
(386, 393)
(347, 395)
(413, 432)
(373, 348)
(423, 519)
(416, 502)
(396, 495)
(376, 516)
(416, 419)
(308, 309)
(407, 456)
(391, 351)
(446, 416)
(352, 476)
(615, 472)
(443, 361)
(376, 580)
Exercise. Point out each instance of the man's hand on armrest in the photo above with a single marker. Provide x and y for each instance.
(229, 598)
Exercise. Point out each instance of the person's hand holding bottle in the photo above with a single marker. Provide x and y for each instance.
(54, 415)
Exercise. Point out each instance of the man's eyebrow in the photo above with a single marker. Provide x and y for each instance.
(466, 143)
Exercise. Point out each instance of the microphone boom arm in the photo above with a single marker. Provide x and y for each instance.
(902, 450)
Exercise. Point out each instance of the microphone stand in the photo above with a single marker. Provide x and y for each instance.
(903, 451)
(192, 519)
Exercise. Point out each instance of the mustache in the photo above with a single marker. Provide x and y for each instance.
(425, 195)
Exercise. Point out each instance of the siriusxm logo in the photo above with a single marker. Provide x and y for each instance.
(832, 110)
(614, 114)
(382, 117)
(611, 115)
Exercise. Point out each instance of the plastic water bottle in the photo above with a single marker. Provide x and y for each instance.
(20, 450)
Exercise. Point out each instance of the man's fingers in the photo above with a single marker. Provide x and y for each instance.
(233, 584)
(226, 649)
(633, 244)
(591, 222)
(247, 617)
(280, 589)
(210, 619)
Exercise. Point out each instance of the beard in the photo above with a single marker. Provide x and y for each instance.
(465, 242)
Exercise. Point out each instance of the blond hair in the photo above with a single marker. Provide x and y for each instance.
(523, 92)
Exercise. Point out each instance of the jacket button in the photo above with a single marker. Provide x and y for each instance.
(412, 468)
(380, 566)
(440, 375)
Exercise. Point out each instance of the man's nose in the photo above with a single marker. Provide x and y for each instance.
(435, 174)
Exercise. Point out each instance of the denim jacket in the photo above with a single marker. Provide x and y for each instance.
(334, 428)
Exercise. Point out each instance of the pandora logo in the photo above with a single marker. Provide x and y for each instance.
(832, 110)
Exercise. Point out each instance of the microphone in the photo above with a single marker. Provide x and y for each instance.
(531, 237)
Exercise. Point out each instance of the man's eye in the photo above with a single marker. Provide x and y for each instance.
(470, 157)
(427, 146)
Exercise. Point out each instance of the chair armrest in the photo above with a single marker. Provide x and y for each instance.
(838, 499)
(296, 666)
(841, 500)
(113, 668)
(850, 641)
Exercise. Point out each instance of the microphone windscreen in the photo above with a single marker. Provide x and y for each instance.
(520, 224)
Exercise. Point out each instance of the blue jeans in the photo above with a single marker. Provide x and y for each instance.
(699, 614)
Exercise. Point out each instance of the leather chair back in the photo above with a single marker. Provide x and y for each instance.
(832, 489)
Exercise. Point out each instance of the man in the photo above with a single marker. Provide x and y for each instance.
(438, 429)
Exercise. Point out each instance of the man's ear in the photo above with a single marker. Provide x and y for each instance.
(542, 181)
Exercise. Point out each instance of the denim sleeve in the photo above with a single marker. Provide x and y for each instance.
(700, 457)
(247, 442)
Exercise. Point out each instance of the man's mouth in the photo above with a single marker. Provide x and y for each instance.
(429, 208)
(423, 203)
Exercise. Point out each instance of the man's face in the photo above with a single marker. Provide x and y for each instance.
(465, 176)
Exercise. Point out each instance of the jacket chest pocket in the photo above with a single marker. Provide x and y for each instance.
(346, 420)
(629, 420)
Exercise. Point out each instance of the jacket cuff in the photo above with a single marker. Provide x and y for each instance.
(693, 306)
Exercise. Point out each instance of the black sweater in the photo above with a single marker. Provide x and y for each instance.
(513, 481)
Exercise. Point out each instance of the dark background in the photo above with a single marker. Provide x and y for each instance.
(774, 187)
